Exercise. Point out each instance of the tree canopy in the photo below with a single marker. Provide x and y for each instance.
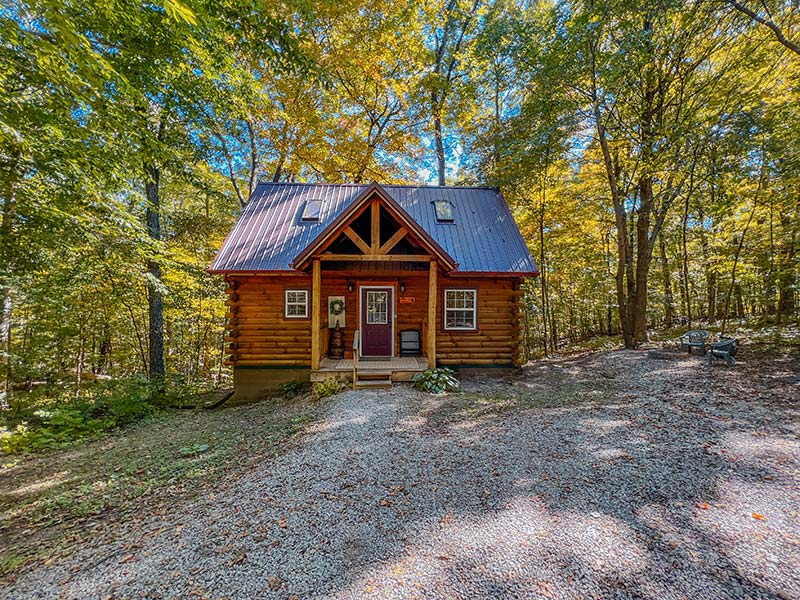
(649, 150)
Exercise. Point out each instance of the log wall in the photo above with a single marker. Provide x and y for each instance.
(258, 333)
(497, 339)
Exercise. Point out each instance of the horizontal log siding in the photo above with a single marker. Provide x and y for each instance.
(258, 333)
(496, 341)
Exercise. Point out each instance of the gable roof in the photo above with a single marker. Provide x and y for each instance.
(363, 199)
(270, 234)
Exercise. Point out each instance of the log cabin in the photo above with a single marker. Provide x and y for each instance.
(370, 283)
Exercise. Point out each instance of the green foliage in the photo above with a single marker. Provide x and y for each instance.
(293, 388)
(329, 387)
(212, 95)
(52, 417)
(193, 450)
(436, 381)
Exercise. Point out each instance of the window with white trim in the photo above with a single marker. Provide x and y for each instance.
(296, 304)
(460, 309)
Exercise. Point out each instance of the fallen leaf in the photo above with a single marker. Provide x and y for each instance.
(443, 557)
(759, 517)
(703, 505)
(386, 502)
(282, 523)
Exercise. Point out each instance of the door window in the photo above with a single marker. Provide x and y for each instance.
(377, 308)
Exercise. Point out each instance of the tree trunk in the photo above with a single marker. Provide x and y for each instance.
(643, 258)
(5, 339)
(736, 256)
(9, 174)
(542, 269)
(438, 142)
(685, 263)
(155, 299)
(787, 274)
(668, 306)
(621, 224)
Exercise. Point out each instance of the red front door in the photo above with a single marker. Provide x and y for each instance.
(376, 321)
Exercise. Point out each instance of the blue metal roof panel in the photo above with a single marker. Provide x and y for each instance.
(269, 233)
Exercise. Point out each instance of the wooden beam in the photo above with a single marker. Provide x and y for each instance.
(362, 245)
(376, 228)
(430, 343)
(377, 257)
(316, 289)
(392, 241)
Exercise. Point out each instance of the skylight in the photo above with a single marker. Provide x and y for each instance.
(444, 211)
(311, 210)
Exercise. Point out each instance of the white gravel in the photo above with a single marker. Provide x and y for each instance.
(613, 476)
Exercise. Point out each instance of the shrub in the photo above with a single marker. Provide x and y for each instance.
(293, 388)
(436, 381)
(52, 416)
(329, 387)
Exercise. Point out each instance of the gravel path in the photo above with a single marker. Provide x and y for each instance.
(611, 476)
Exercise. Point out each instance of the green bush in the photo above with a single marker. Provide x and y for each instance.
(293, 388)
(52, 416)
(436, 381)
(329, 387)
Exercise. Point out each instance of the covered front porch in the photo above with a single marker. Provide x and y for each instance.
(374, 371)
(380, 269)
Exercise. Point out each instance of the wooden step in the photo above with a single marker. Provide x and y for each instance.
(372, 383)
(374, 374)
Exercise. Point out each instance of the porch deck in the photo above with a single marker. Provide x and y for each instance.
(402, 368)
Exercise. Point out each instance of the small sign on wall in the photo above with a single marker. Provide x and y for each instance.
(335, 311)
(407, 299)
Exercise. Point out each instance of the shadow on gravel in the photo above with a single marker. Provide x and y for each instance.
(628, 478)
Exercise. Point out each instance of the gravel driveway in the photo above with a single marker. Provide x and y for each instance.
(610, 476)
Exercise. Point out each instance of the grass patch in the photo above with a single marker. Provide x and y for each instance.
(154, 465)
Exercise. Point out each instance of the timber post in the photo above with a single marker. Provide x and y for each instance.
(430, 342)
(316, 288)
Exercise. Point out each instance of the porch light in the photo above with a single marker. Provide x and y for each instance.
(350, 286)
(402, 287)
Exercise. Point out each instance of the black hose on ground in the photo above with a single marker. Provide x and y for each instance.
(211, 406)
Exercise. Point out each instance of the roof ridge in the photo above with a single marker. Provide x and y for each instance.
(385, 185)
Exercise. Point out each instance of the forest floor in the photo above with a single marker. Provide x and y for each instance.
(603, 475)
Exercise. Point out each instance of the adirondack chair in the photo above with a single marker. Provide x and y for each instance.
(726, 348)
(695, 338)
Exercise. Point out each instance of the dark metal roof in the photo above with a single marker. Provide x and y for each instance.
(269, 233)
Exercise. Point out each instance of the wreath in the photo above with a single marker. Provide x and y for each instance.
(336, 307)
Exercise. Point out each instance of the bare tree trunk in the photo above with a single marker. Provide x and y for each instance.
(438, 141)
(9, 174)
(155, 299)
(542, 267)
(5, 337)
(735, 265)
(79, 361)
(668, 305)
(787, 273)
(685, 262)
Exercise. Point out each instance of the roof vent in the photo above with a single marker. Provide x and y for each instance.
(311, 210)
(444, 211)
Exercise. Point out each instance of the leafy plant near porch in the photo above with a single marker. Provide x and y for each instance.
(437, 381)
(329, 387)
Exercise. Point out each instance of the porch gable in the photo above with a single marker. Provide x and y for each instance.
(374, 228)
